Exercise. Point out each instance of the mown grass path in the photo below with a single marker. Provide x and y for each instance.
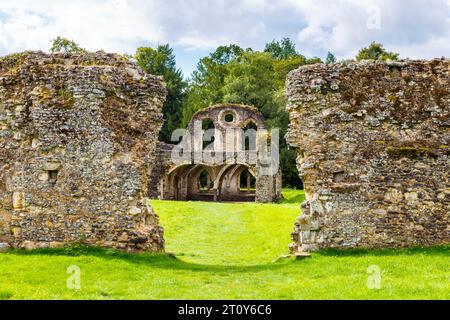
(228, 233)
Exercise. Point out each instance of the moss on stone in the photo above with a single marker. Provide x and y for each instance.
(11, 63)
(90, 63)
(65, 98)
(445, 149)
(62, 97)
(410, 152)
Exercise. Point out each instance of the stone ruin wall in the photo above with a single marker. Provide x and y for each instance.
(77, 134)
(162, 164)
(373, 153)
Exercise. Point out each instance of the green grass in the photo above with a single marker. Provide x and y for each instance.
(225, 251)
(229, 233)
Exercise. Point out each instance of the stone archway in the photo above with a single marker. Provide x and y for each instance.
(184, 183)
(228, 184)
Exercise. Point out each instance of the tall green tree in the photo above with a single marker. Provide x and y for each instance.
(249, 80)
(161, 61)
(63, 45)
(376, 51)
(330, 59)
(282, 50)
(207, 82)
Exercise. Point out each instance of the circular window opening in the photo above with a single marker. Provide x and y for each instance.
(229, 118)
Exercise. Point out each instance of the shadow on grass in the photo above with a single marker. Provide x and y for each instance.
(164, 261)
(161, 260)
(431, 251)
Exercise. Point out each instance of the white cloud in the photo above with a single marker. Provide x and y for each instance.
(415, 28)
(410, 26)
(195, 41)
(111, 25)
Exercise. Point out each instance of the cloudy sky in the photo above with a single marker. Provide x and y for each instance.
(414, 28)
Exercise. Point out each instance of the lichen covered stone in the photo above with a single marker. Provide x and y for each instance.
(372, 141)
(77, 137)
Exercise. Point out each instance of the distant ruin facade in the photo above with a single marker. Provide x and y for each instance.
(373, 153)
(77, 140)
(223, 156)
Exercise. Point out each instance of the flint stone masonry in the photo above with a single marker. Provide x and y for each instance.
(373, 153)
(77, 137)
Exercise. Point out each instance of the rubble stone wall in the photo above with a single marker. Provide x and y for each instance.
(77, 137)
(373, 153)
(162, 163)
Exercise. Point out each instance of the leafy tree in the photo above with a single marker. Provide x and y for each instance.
(283, 49)
(63, 45)
(161, 61)
(330, 58)
(250, 80)
(206, 85)
(282, 67)
(314, 60)
(376, 51)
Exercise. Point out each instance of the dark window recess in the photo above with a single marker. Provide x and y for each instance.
(247, 181)
(52, 176)
(229, 118)
(250, 136)
(205, 182)
(207, 124)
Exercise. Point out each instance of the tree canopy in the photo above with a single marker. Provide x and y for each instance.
(283, 49)
(376, 51)
(63, 45)
(330, 59)
(161, 61)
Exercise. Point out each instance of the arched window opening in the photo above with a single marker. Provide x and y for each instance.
(204, 181)
(249, 137)
(208, 133)
(247, 181)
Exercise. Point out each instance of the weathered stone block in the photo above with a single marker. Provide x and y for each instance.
(52, 165)
(44, 176)
(4, 247)
(18, 200)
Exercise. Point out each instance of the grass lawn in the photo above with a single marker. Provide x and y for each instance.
(226, 251)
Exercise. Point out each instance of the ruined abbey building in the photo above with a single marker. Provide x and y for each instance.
(77, 139)
(373, 153)
(78, 153)
(226, 154)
